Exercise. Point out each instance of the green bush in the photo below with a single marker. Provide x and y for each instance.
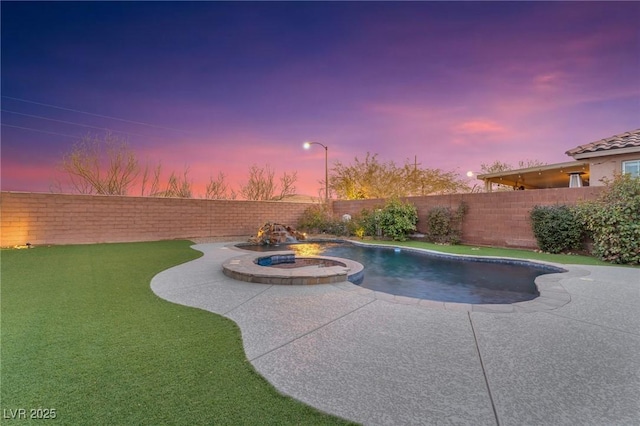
(614, 221)
(445, 225)
(338, 227)
(397, 219)
(557, 228)
(367, 222)
(317, 219)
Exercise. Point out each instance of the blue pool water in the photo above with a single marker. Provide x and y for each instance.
(443, 278)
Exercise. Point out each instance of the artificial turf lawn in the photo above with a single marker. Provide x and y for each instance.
(500, 252)
(82, 333)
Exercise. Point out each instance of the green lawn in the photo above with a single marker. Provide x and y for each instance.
(499, 252)
(82, 333)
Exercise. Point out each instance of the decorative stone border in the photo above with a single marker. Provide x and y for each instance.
(246, 268)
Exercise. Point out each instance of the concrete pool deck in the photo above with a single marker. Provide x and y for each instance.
(382, 360)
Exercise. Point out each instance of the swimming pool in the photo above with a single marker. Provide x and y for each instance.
(423, 275)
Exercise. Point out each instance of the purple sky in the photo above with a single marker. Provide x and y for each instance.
(221, 86)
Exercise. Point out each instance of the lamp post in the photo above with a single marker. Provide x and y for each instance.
(307, 145)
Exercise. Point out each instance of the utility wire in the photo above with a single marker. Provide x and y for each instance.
(36, 130)
(76, 124)
(95, 115)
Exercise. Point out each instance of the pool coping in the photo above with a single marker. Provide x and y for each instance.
(552, 295)
(245, 268)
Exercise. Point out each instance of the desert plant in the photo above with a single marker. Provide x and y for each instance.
(557, 228)
(613, 221)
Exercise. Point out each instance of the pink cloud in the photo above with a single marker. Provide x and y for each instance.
(480, 127)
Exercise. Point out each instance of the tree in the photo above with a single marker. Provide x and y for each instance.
(178, 187)
(154, 185)
(495, 167)
(104, 166)
(498, 166)
(372, 179)
(262, 186)
(365, 179)
(525, 164)
(418, 182)
(217, 189)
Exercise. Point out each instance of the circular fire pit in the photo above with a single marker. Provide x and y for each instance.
(284, 268)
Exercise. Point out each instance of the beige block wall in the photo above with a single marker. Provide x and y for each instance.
(78, 219)
(494, 218)
(607, 167)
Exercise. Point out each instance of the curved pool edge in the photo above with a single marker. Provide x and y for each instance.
(246, 268)
(552, 294)
(557, 267)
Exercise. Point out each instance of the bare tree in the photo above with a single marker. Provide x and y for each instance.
(151, 178)
(101, 166)
(178, 187)
(217, 189)
(287, 185)
(495, 167)
(261, 184)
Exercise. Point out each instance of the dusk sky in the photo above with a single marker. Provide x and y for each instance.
(220, 86)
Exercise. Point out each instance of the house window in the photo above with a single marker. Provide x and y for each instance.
(631, 167)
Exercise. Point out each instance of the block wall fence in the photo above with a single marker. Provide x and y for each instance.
(493, 219)
(80, 219)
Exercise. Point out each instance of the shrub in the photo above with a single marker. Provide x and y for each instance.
(397, 219)
(557, 228)
(338, 227)
(318, 219)
(315, 219)
(445, 225)
(367, 222)
(614, 221)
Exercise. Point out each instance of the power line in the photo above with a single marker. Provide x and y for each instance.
(36, 130)
(74, 123)
(95, 115)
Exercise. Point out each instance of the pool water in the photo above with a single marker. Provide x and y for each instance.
(422, 275)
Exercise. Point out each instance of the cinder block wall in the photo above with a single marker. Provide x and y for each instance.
(77, 219)
(493, 219)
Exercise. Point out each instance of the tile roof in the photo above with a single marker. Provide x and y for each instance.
(623, 140)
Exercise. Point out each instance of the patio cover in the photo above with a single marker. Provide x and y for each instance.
(539, 177)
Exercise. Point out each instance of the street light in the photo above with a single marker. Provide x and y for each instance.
(307, 145)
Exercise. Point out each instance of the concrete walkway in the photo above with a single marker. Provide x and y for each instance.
(350, 352)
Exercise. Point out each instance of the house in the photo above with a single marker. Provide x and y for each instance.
(594, 162)
(606, 157)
